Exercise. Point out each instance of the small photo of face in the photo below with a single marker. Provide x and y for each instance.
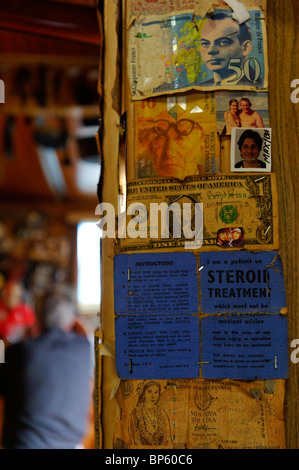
(231, 237)
(251, 150)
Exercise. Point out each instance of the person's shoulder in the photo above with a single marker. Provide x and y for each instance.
(239, 164)
(80, 339)
(79, 342)
(262, 164)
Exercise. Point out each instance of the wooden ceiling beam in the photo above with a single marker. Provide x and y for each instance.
(72, 22)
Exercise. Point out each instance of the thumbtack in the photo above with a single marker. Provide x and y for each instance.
(260, 179)
(275, 362)
(129, 271)
(266, 232)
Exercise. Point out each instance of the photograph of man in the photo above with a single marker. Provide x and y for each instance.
(223, 39)
(245, 151)
(247, 116)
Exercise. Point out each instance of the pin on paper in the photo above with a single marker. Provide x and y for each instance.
(267, 231)
(260, 179)
(240, 12)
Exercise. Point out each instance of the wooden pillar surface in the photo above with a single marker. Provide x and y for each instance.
(283, 48)
(283, 51)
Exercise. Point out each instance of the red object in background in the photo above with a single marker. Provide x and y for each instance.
(15, 322)
(73, 22)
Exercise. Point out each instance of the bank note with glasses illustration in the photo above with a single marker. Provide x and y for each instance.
(176, 137)
(174, 53)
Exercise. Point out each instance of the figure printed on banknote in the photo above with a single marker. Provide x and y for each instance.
(175, 53)
(204, 414)
(149, 423)
(176, 136)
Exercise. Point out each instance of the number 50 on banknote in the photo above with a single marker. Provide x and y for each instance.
(174, 53)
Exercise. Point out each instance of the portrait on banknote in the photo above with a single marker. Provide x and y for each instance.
(149, 423)
(251, 149)
(174, 53)
(176, 136)
(200, 414)
(241, 109)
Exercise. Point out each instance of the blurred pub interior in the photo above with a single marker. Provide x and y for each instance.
(50, 158)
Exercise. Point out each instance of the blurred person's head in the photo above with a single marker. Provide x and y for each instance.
(12, 294)
(58, 310)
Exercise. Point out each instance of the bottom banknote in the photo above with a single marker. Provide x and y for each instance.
(200, 414)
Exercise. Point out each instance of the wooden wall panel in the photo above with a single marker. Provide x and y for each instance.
(283, 46)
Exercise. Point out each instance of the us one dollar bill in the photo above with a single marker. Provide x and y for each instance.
(179, 52)
(238, 211)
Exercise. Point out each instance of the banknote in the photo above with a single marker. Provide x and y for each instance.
(162, 7)
(200, 414)
(176, 136)
(238, 211)
(172, 53)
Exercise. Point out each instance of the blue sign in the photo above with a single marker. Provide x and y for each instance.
(242, 281)
(156, 283)
(245, 347)
(157, 346)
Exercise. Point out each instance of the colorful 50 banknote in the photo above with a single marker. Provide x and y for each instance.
(172, 53)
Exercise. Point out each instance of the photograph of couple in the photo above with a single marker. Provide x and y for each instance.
(235, 110)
